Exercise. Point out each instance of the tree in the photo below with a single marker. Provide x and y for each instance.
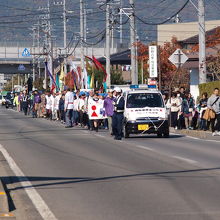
(167, 69)
(212, 61)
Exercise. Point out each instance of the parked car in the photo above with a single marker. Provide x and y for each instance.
(2, 100)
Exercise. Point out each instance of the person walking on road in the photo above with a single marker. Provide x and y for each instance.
(214, 104)
(25, 102)
(37, 101)
(109, 109)
(16, 102)
(69, 100)
(118, 116)
(61, 108)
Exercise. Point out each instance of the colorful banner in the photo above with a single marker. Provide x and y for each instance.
(96, 110)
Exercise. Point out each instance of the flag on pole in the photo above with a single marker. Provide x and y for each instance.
(92, 81)
(100, 67)
(62, 72)
(53, 83)
(85, 78)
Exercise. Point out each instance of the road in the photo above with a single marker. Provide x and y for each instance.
(82, 175)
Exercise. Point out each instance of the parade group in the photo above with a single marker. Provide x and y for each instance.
(92, 109)
(95, 110)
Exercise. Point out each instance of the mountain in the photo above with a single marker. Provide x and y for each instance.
(18, 17)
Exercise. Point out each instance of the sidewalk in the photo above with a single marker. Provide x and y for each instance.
(196, 133)
(4, 204)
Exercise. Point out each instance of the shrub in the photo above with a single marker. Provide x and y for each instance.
(209, 87)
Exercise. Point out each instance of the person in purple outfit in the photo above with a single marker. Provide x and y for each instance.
(37, 101)
(109, 108)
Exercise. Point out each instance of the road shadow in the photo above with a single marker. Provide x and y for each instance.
(73, 180)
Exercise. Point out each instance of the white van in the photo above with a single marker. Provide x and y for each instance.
(145, 113)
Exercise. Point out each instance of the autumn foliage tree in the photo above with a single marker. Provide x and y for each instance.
(212, 60)
(166, 68)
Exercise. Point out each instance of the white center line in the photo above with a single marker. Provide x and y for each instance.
(185, 159)
(145, 148)
(35, 197)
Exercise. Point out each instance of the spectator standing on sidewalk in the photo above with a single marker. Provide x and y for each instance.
(175, 107)
(68, 107)
(187, 108)
(109, 109)
(214, 104)
(203, 106)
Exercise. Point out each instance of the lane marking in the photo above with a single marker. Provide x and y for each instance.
(194, 138)
(99, 135)
(32, 193)
(146, 148)
(185, 159)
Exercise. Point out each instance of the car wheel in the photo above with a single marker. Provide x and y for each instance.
(159, 135)
(126, 134)
(166, 135)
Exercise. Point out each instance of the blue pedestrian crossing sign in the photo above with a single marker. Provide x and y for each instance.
(26, 53)
(21, 67)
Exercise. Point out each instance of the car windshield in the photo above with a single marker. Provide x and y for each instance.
(0, 96)
(141, 100)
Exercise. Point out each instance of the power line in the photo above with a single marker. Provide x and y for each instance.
(165, 21)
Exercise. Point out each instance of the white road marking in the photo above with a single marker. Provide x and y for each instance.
(185, 159)
(212, 141)
(35, 197)
(145, 148)
(99, 135)
(194, 138)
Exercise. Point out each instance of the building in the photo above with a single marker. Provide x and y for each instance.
(3, 81)
(181, 31)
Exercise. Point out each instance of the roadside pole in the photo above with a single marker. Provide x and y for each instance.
(108, 64)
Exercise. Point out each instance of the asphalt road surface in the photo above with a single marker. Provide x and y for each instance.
(81, 175)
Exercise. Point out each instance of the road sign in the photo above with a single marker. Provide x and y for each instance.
(178, 58)
(153, 61)
(26, 53)
(21, 67)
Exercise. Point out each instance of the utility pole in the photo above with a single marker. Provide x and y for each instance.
(121, 25)
(34, 37)
(202, 42)
(38, 45)
(108, 67)
(134, 74)
(64, 36)
(82, 35)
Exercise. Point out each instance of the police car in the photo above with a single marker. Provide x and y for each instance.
(145, 113)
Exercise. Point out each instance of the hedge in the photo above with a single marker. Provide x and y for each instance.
(208, 87)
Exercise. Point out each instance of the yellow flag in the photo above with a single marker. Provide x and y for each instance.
(62, 72)
(92, 83)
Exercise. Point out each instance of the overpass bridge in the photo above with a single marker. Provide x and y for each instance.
(13, 61)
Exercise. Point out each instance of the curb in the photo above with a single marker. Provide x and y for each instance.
(191, 133)
(4, 204)
(4, 208)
